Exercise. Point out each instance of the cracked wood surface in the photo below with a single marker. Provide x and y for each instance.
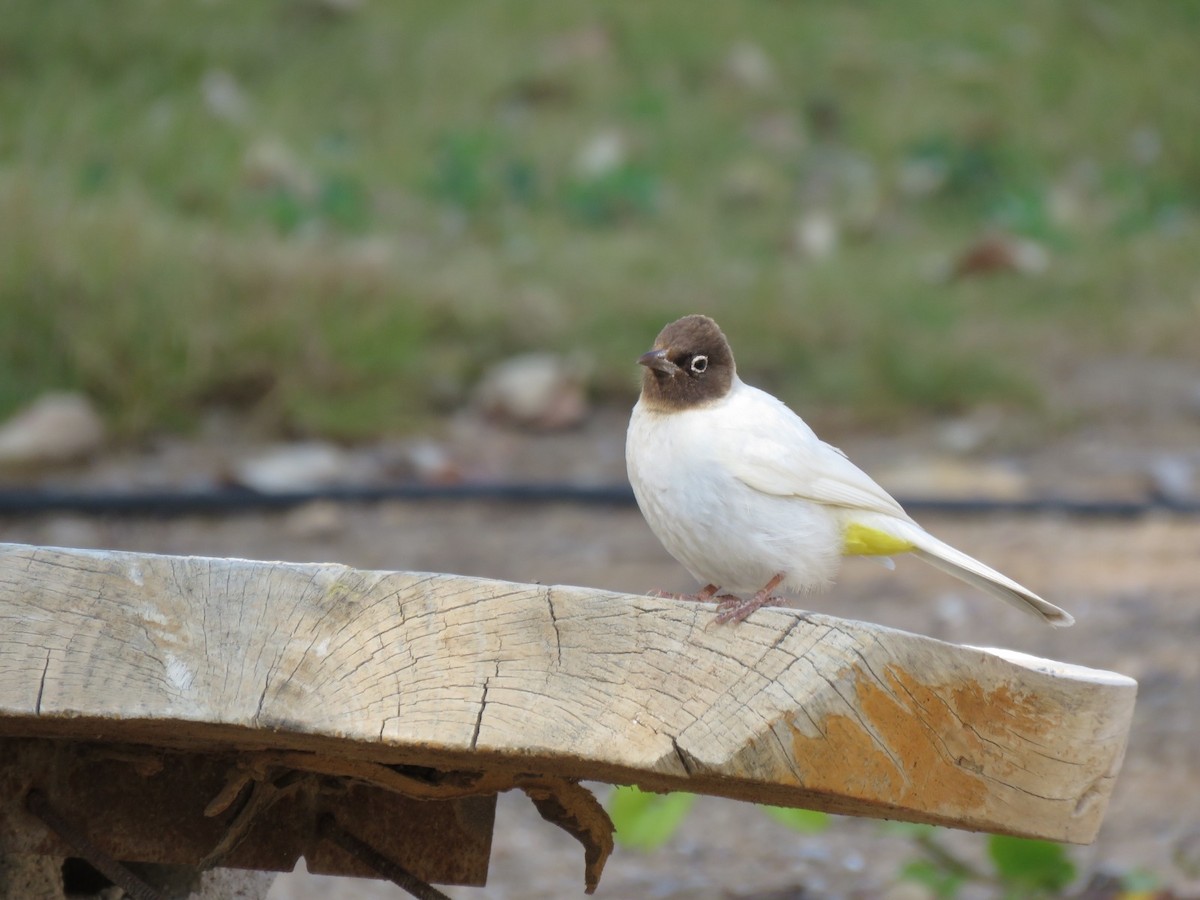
(465, 673)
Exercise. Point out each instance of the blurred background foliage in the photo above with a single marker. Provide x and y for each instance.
(333, 214)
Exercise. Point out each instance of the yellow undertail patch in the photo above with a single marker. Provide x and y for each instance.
(859, 540)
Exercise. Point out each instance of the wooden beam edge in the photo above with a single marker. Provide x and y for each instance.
(841, 737)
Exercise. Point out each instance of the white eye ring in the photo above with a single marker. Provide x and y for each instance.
(699, 364)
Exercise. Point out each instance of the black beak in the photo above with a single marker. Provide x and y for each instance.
(657, 360)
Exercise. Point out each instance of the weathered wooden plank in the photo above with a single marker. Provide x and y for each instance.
(465, 673)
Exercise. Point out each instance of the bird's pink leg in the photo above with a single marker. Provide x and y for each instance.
(703, 596)
(735, 609)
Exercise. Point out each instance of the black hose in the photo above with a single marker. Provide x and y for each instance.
(168, 503)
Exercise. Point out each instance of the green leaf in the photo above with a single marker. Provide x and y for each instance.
(460, 178)
(95, 175)
(944, 884)
(1140, 880)
(521, 180)
(345, 202)
(1031, 865)
(607, 199)
(285, 210)
(806, 821)
(644, 820)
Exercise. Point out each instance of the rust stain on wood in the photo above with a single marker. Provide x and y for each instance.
(1002, 709)
(942, 765)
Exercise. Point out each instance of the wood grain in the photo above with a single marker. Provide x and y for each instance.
(461, 673)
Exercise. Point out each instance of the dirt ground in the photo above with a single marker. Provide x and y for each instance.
(1131, 584)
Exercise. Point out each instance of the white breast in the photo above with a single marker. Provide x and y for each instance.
(720, 529)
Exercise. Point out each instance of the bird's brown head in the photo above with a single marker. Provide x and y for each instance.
(690, 365)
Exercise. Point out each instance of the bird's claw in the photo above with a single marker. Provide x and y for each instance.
(730, 607)
(735, 609)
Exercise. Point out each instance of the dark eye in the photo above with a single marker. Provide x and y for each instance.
(699, 364)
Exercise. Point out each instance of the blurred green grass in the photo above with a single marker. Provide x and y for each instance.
(334, 218)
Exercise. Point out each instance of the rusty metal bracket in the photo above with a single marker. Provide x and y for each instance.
(329, 829)
(197, 808)
(121, 876)
(264, 809)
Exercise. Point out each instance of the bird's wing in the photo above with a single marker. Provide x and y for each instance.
(775, 452)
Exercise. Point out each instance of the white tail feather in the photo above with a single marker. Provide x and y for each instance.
(942, 556)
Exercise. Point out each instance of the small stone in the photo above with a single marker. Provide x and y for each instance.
(602, 153)
(269, 165)
(1173, 478)
(1067, 205)
(534, 390)
(223, 96)
(431, 462)
(56, 428)
(298, 467)
(815, 235)
(748, 66)
(1030, 257)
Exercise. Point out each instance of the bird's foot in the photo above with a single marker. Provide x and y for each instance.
(737, 609)
(731, 608)
(704, 595)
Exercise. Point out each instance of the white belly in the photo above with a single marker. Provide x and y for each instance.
(722, 531)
